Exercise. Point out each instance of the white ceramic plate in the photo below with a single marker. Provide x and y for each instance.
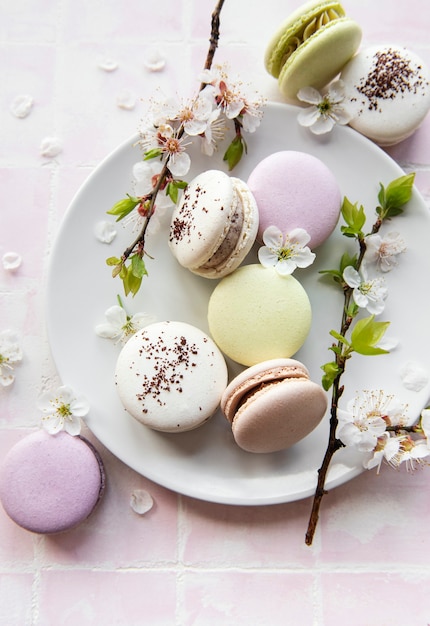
(205, 463)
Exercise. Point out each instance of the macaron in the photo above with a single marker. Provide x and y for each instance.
(255, 314)
(214, 224)
(388, 89)
(273, 405)
(51, 483)
(311, 47)
(170, 376)
(296, 190)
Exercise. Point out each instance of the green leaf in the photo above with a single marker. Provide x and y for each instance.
(116, 263)
(346, 260)
(339, 337)
(335, 274)
(354, 217)
(352, 309)
(366, 334)
(172, 192)
(113, 260)
(124, 207)
(131, 282)
(152, 154)
(393, 197)
(172, 189)
(138, 268)
(331, 371)
(234, 152)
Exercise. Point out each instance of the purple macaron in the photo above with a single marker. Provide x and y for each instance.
(51, 483)
(296, 190)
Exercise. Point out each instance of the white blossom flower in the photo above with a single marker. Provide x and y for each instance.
(367, 293)
(231, 97)
(285, 254)
(383, 251)
(63, 410)
(214, 132)
(194, 116)
(387, 447)
(120, 326)
(174, 149)
(326, 110)
(411, 451)
(366, 419)
(10, 353)
(425, 423)
(145, 177)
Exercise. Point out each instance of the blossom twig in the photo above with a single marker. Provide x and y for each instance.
(132, 276)
(391, 200)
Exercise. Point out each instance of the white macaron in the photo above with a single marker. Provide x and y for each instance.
(170, 376)
(214, 225)
(388, 92)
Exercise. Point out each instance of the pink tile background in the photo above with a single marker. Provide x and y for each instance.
(186, 562)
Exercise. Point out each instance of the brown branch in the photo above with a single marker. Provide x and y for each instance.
(335, 444)
(214, 38)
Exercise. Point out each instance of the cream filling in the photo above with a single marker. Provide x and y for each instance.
(310, 29)
(229, 242)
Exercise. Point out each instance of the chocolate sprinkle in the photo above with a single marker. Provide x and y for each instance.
(391, 75)
(168, 361)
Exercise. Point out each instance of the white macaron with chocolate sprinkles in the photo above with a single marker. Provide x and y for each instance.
(170, 376)
(214, 225)
(387, 90)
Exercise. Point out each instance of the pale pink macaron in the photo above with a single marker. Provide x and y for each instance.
(296, 190)
(51, 483)
(273, 405)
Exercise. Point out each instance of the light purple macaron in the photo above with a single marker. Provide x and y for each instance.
(51, 483)
(296, 190)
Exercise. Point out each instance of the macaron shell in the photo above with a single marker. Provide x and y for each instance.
(255, 314)
(201, 219)
(279, 415)
(51, 483)
(291, 29)
(170, 376)
(245, 238)
(296, 190)
(253, 377)
(381, 112)
(319, 59)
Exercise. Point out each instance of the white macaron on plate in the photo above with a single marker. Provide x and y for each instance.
(206, 463)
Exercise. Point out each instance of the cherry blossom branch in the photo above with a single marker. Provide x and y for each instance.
(355, 218)
(139, 241)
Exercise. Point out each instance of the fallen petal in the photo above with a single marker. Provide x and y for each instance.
(11, 261)
(50, 147)
(141, 501)
(21, 106)
(105, 231)
(154, 61)
(126, 100)
(107, 64)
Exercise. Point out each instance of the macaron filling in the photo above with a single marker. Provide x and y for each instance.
(261, 387)
(229, 243)
(240, 395)
(310, 28)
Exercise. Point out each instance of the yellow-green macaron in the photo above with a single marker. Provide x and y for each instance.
(254, 314)
(311, 47)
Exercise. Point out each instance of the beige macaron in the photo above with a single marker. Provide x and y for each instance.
(273, 405)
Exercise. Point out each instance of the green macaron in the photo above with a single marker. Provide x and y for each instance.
(311, 47)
